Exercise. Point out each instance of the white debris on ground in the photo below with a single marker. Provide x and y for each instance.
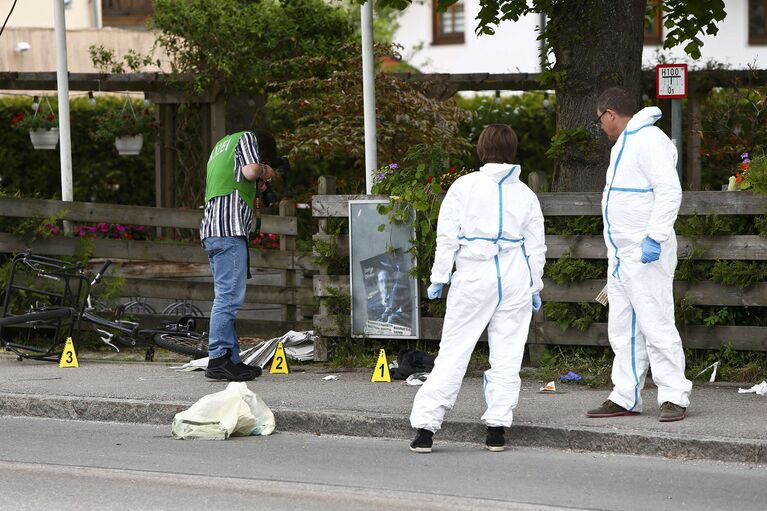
(760, 389)
(298, 346)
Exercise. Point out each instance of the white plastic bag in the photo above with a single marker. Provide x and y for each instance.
(235, 411)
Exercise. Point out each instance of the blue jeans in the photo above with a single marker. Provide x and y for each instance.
(228, 256)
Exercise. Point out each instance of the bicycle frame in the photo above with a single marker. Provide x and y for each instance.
(65, 310)
(60, 315)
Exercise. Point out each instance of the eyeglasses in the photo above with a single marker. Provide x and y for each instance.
(596, 127)
(599, 119)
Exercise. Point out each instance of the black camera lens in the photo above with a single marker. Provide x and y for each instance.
(268, 196)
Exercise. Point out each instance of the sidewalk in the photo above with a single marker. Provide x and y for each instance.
(721, 424)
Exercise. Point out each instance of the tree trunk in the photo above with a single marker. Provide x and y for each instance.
(597, 44)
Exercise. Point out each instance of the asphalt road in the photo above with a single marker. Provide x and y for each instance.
(86, 465)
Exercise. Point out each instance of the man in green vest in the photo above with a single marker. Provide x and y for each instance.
(238, 164)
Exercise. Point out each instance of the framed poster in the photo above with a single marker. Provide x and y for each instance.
(384, 296)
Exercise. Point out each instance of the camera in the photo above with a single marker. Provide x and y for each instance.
(281, 166)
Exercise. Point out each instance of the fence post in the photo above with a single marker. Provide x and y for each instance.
(694, 136)
(326, 186)
(288, 243)
(534, 181)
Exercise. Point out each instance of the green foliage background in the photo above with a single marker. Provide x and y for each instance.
(99, 173)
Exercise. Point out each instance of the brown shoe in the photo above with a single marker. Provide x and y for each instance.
(669, 412)
(609, 409)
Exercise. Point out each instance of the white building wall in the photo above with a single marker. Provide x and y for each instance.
(42, 42)
(730, 46)
(514, 47)
(39, 13)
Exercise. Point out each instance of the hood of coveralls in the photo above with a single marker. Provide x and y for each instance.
(647, 115)
(499, 171)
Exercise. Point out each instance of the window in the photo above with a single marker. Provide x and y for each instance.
(116, 13)
(757, 21)
(449, 25)
(653, 26)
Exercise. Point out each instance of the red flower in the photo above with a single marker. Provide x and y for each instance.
(452, 170)
(430, 179)
(17, 119)
(744, 166)
(738, 177)
(51, 117)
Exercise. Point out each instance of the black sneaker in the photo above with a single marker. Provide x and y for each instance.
(669, 412)
(495, 442)
(609, 409)
(422, 441)
(222, 368)
(257, 369)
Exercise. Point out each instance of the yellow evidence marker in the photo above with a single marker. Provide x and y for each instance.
(381, 372)
(68, 356)
(279, 362)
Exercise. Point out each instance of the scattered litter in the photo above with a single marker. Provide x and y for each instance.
(416, 379)
(715, 365)
(298, 346)
(234, 411)
(570, 376)
(393, 365)
(331, 377)
(550, 387)
(760, 389)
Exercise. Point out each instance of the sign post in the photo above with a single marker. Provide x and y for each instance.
(671, 83)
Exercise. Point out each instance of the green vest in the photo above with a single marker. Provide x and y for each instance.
(220, 177)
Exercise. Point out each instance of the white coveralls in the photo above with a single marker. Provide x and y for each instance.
(641, 198)
(491, 225)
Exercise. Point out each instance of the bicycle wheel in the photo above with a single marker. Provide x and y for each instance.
(183, 309)
(189, 343)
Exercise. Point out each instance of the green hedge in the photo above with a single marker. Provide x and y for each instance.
(99, 174)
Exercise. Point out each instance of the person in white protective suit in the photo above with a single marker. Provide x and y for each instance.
(640, 203)
(491, 226)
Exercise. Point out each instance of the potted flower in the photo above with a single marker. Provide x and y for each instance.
(126, 128)
(752, 174)
(42, 126)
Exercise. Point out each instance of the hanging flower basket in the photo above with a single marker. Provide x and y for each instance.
(129, 145)
(44, 138)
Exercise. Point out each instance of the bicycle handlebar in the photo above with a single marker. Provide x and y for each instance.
(101, 272)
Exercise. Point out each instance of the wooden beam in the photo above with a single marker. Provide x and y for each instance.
(697, 293)
(245, 327)
(152, 251)
(700, 81)
(175, 289)
(92, 212)
(580, 203)
(745, 338)
(740, 247)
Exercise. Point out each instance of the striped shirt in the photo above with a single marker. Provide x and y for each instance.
(228, 215)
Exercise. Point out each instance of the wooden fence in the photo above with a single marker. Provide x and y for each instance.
(175, 271)
(178, 270)
(545, 332)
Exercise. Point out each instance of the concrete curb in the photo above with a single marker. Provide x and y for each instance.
(397, 427)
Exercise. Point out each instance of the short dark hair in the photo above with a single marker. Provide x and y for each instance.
(619, 100)
(497, 144)
(267, 146)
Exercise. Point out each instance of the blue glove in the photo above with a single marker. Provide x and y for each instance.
(536, 302)
(650, 250)
(434, 291)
